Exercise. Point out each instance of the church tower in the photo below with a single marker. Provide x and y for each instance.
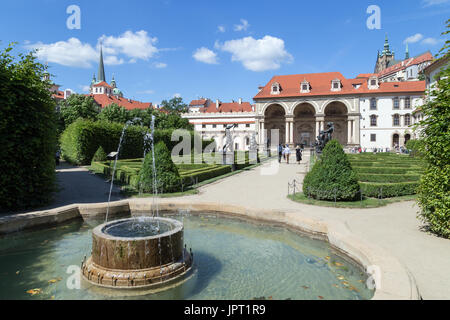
(101, 68)
(386, 58)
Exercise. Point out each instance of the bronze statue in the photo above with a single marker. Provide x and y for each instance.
(324, 137)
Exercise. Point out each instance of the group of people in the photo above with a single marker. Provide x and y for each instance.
(284, 152)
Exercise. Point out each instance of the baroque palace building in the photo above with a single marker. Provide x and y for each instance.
(373, 110)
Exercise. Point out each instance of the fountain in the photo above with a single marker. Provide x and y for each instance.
(141, 252)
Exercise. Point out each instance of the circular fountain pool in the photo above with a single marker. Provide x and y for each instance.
(233, 260)
(144, 252)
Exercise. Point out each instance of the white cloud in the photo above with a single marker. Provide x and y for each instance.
(130, 47)
(177, 95)
(432, 41)
(113, 60)
(413, 39)
(136, 45)
(221, 29)
(205, 55)
(72, 53)
(160, 65)
(263, 54)
(428, 3)
(242, 27)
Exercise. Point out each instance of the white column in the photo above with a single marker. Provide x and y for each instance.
(354, 131)
(291, 138)
(317, 129)
(261, 133)
(286, 137)
(349, 129)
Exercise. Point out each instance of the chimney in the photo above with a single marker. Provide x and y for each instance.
(217, 104)
(240, 100)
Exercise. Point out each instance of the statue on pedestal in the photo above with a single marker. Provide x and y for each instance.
(324, 137)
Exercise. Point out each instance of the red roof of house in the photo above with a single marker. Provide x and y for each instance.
(200, 102)
(58, 95)
(103, 84)
(103, 100)
(406, 63)
(228, 107)
(320, 85)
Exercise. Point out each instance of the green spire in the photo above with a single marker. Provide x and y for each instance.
(101, 68)
(386, 45)
(113, 82)
(407, 51)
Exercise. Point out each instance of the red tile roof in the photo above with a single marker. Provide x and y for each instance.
(406, 63)
(103, 84)
(320, 84)
(228, 107)
(58, 95)
(103, 100)
(200, 102)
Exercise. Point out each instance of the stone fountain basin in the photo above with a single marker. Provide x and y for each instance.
(123, 252)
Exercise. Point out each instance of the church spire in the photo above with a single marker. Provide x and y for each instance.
(101, 68)
(407, 51)
(386, 45)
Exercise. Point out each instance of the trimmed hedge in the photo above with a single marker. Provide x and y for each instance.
(377, 170)
(332, 177)
(388, 190)
(81, 139)
(27, 133)
(388, 178)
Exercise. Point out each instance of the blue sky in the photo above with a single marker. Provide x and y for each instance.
(218, 49)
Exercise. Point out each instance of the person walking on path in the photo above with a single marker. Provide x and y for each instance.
(280, 152)
(287, 153)
(298, 154)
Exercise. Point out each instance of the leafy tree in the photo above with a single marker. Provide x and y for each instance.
(78, 106)
(332, 176)
(114, 113)
(172, 121)
(167, 175)
(175, 104)
(27, 133)
(434, 189)
(100, 155)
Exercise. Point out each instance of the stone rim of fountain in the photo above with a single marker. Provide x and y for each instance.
(143, 265)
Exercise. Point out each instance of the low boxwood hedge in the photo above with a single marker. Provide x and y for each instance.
(388, 178)
(388, 190)
(380, 170)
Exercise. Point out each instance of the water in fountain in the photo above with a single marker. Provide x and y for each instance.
(127, 124)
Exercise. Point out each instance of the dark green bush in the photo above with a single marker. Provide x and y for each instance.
(81, 139)
(388, 178)
(100, 155)
(380, 170)
(332, 176)
(27, 133)
(167, 176)
(388, 190)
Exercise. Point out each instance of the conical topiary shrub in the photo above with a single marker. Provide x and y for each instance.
(100, 155)
(332, 177)
(167, 175)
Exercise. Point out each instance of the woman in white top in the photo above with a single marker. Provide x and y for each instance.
(287, 152)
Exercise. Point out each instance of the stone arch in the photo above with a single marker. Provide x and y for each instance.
(343, 101)
(275, 119)
(267, 105)
(304, 123)
(337, 112)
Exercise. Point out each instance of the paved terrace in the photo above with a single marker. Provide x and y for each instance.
(394, 227)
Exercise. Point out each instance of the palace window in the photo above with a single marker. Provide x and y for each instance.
(373, 104)
(305, 87)
(247, 141)
(407, 103)
(396, 120)
(396, 103)
(204, 126)
(373, 137)
(276, 88)
(373, 120)
(214, 126)
(247, 125)
(336, 85)
(407, 120)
